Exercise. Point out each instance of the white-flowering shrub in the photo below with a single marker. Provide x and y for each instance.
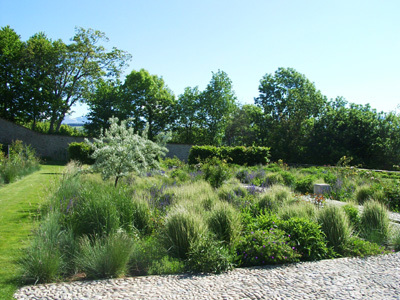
(120, 151)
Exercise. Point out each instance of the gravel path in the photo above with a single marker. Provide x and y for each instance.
(375, 278)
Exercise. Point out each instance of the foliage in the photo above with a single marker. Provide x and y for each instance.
(269, 246)
(120, 151)
(20, 161)
(182, 229)
(361, 248)
(305, 185)
(224, 222)
(145, 253)
(43, 261)
(374, 222)
(215, 172)
(106, 256)
(49, 77)
(104, 102)
(202, 117)
(308, 238)
(235, 155)
(353, 215)
(335, 224)
(207, 255)
(290, 103)
(81, 152)
(148, 102)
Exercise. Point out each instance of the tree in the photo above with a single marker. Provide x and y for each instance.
(244, 127)
(290, 103)
(41, 62)
(371, 138)
(83, 64)
(44, 79)
(187, 127)
(148, 100)
(104, 103)
(120, 151)
(11, 53)
(218, 101)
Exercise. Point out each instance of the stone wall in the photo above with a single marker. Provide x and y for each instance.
(54, 147)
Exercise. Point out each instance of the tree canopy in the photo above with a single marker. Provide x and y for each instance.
(42, 79)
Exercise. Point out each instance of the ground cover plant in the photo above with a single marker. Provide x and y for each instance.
(174, 219)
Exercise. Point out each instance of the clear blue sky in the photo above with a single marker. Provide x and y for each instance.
(348, 48)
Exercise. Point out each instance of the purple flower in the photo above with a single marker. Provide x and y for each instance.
(263, 246)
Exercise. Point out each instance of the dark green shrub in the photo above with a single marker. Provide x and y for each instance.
(305, 185)
(237, 155)
(288, 178)
(80, 152)
(353, 215)
(215, 172)
(207, 255)
(360, 248)
(308, 238)
(269, 246)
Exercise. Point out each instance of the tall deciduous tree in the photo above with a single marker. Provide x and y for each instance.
(104, 103)
(148, 100)
(245, 127)
(290, 102)
(11, 53)
(218, 101)
(84, 62)
(44, 79)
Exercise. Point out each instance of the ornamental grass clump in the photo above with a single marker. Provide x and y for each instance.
(104, 256)
(182, 228)
(224, 221)
(44, 260)
(336, 226)
(375, 222)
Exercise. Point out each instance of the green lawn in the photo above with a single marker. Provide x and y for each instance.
(19, 203)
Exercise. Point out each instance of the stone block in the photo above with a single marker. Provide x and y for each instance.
(321, 189)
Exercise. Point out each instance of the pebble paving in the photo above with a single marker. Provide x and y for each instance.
(376, 277)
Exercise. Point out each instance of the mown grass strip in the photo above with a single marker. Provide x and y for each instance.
(19, 204)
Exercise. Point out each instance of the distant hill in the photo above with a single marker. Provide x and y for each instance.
(75, 121)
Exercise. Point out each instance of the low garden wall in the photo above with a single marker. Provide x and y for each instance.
(54, 147)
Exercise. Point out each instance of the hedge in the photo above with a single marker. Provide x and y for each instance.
(239, 155)
(80, 152)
